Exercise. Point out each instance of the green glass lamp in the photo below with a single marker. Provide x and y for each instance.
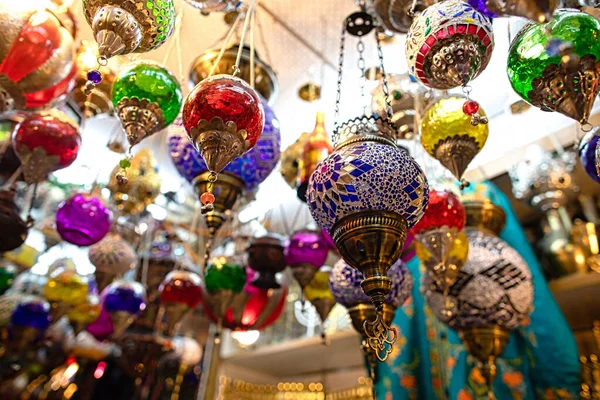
(224, 278)
(556, 66)
(147, 98)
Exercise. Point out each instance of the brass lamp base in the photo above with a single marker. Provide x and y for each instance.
(371, 241)
(486, 344)
(226, 189)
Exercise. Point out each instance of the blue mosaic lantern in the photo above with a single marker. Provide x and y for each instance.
(243, 173)
(344, 282)
(367, 194)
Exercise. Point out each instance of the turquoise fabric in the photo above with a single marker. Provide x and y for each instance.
(540, 361)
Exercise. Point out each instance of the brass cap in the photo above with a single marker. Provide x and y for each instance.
(366, 312)
(485, 215)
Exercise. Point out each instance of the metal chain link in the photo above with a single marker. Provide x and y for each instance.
(386, 89)
(360, 47)
(338, 97)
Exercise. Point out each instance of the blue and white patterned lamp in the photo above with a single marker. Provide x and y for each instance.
(367, 194)
(243, 173)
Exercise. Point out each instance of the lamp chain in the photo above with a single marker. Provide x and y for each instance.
(338, 96)
(386, 88)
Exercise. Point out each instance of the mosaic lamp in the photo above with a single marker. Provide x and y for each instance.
(589, 154)
(449, 136)
(224, 118)
(345, 284)
(46, 141)
(180, 292)
(442, 245)
(266, 256)
(36, 61)
(124, 301)
(554, 66)
(147, 98)
(305, 253)
(449, 44)
(83, 220)
(244, 173)
(367, 194)
(112, 257)
(492, 294)
(125, 27)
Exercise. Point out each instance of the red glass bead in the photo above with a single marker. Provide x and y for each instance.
(444, 208)
(207, 198)
(470, 107)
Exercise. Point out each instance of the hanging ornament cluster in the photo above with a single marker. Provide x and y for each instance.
(448, 135)
(493, 293)
(305, 253)
(36, 62)
(318, 293)
(123, 301)
(83, 220)
(112, 257)
(180, 292)
(266, 256)
(554, 66)
(367, 194)
(126, 26)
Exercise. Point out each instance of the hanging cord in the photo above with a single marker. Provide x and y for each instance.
(338, 96)
(225, 44)
(386, 88)
(236, 67)
(176, 34)
(252, 72)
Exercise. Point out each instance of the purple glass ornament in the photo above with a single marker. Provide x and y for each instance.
(125, 296)
(94, 76)
(344, 282)
(101, 328)
(587, 153)
(252, 167)
(83, 220)
(31, 312)
(480, 5)
(307, 247)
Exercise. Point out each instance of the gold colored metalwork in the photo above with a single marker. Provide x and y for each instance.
(360, 315)
(585, 236)
(218, 142)
(36, 164)
(519, 107)
(303, 273)
(116, 31)
(146, 20)
(486, 344)
(310, 92)
(455, 61)
(227, 188)
(265, 80)
(371, 241)
(142, 187)
(568, 88)
(11, 97)
(396, 15)
(140, 118)
(539, 11)
(455, 153)
(485, 215)
(290, 161)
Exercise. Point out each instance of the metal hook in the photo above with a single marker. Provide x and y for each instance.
(380, 336)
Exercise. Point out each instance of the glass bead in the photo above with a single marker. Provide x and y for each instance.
(94, 76)
(207, 198)
(470, 107)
